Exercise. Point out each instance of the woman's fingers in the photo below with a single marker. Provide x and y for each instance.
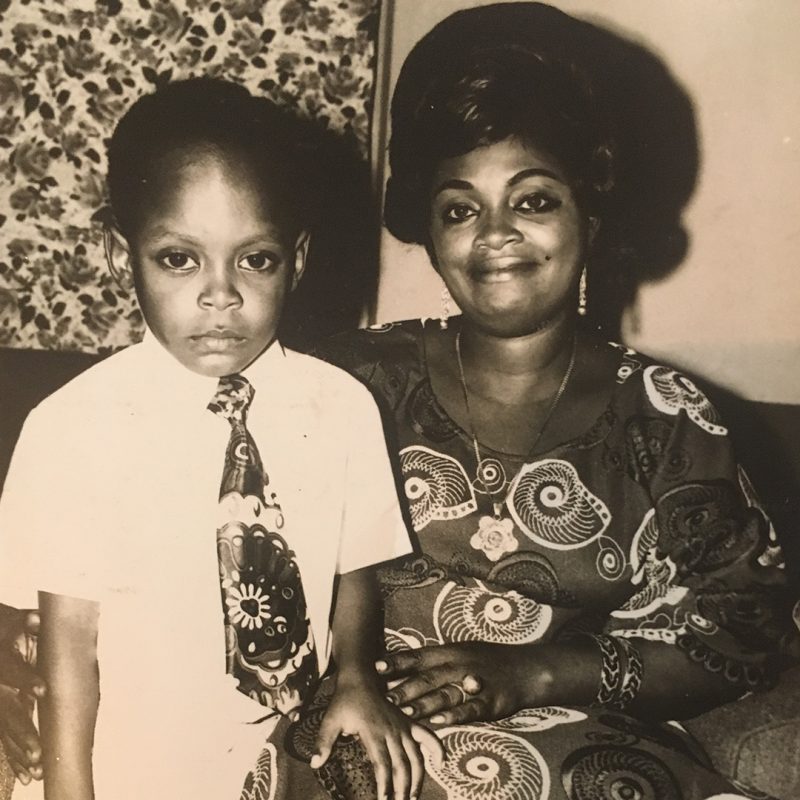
(470, 711)
(423, 683)
(17, 726)
(433, 691)
(23, 776)
(15, 672)
(15, 753)
(445, 697)
(407, 662)
(397, 664)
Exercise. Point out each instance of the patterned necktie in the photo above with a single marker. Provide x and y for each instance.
(268, 639)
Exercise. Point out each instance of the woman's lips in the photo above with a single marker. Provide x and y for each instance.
(501, 270)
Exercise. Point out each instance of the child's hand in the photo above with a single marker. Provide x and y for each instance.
(391, 741)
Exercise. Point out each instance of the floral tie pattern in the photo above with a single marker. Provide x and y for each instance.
(269, 642)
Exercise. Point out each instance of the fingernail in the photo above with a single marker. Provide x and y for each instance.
(381, 666)
(316, 761)
(436, 719)
(392, 700)
(407, 710)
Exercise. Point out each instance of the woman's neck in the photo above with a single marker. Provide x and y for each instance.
(532, 359)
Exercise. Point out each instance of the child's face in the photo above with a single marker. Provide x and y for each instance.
(212, 266)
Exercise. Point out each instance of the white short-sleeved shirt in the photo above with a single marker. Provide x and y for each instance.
(112, 496)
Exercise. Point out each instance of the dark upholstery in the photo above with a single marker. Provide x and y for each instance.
(26, 378)
(754, 740)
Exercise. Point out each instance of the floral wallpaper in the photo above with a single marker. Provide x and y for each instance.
(68, 70)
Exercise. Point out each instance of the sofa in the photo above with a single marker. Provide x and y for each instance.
(753, 740)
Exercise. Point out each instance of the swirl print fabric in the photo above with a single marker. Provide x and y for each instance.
(638, 527)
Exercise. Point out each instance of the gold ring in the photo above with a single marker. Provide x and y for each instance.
(464, 695)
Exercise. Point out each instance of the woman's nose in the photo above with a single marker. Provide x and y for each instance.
(219, 290)
(497, 229)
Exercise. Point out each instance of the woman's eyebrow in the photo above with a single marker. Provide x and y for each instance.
(452, 183)
(533, 172)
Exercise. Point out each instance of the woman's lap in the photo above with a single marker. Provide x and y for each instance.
(536, 754)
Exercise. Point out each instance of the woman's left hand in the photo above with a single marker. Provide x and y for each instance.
(462, 682)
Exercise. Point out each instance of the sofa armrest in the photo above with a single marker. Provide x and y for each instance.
(755, 740)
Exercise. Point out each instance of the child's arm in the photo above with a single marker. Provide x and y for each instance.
(67, 713)
(359, 705)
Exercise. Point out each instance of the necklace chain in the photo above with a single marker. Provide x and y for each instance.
(497, 506)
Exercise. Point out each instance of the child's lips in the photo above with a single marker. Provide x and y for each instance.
(218, 340)
(218, 333)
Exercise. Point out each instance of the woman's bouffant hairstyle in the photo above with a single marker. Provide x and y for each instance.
(276, 148)
(481, 76)
(605, 107)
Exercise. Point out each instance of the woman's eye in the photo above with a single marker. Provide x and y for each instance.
(538, 203)
(458, 212)
(258, 262)
(178, 261)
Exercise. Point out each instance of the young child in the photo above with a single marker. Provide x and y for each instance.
(168, 650)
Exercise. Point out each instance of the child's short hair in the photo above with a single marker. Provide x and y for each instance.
(277, 148)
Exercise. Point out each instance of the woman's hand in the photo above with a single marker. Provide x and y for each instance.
(19, 686)
(391, 741)
(463, 682)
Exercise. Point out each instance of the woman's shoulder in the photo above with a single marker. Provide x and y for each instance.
(658, 388)
(360, 352)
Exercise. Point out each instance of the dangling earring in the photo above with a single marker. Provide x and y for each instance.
(582, 294)
(445, 308)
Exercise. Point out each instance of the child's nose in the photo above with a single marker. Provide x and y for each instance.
(220, 291)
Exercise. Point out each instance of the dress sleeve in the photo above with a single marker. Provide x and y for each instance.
(43, 524)
(708, 571)
(373, 528)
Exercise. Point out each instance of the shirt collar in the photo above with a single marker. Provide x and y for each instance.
(187, 389)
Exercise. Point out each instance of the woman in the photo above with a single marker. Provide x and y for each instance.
(591, 561)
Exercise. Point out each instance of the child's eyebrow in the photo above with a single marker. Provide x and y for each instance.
(166, 233)
(265, 237)
(259, 238)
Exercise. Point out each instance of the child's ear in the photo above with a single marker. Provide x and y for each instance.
(118, 256)
(300, 256)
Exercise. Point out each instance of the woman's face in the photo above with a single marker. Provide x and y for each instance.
(507, 237)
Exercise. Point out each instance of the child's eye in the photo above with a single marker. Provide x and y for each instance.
(258, 262)
(457, 212)
(178, 261)
(537, 203)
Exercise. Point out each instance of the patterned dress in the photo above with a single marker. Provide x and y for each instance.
(635, 522)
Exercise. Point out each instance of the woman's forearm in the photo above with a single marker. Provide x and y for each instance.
(672, 687)
(68, 662)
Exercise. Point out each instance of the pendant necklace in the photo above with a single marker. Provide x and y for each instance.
(497, 505)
